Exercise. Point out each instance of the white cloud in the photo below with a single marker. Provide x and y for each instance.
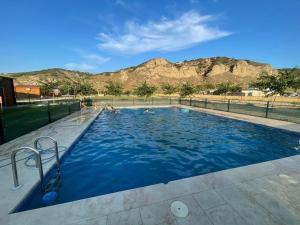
(79, 66)
(95, 59)
(122, 3)
(189, 29)
(87, 62)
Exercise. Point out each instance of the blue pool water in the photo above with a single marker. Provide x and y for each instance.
(132, 149)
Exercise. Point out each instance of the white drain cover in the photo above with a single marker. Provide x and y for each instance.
(179, 209)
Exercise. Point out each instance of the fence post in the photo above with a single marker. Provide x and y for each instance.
(1, 127)
(133, 100)
(228, 105)
(49, 114)
(205, 103)
(152, 100)
(179, 100)
(69, 107)
(190, 101)
(170, 101)
(267, 109)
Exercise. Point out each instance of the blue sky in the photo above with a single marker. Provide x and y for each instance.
(106, 35)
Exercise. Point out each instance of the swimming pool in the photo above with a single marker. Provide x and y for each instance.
(133, 149)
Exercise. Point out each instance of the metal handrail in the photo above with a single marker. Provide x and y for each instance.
(14, 165)
(55, 148)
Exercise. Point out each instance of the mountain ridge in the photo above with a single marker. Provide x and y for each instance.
(159, 70)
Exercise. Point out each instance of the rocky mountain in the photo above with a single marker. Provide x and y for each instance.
(159, 70)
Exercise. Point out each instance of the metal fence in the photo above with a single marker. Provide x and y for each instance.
(133, 100)
(18, 120)
(21, 119)
(280, 111)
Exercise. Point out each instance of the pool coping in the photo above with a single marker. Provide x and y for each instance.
(112, 201)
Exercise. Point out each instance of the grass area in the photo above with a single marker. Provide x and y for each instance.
(20, 120)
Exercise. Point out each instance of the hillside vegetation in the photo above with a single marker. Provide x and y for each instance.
(157, 71)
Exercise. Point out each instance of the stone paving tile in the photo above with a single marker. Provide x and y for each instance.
(225, 215)
(197, 217)
(296, 157)
(254, 171)
(220, 179)
(129, 217)
(287, 165)
(146, 196)
(209, 199)
(158, 213)
(283, 186)
(250, 187)
(196, 214)
(99, 221)
(297, 208)
(185, 186)
(5, 220)
(246, 207)
(279, 208)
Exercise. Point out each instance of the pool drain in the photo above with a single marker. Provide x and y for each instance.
(179, 209)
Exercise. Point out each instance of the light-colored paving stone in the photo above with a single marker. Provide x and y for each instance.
(209, 199)
(98, 221)
(129, 217)
(149, 195)
(185, 186)
(279, 207)
(246, 207)
(158, 213)
(287, 165)
(220, 179)
(225, 215)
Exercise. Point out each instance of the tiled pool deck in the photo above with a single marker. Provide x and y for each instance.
(264, 193)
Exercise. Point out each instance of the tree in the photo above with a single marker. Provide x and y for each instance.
(222, 88)
(168, 89)
(293, 78)
(47, 87)
(225, 88)
(187, 89)
(127, 92)
(235, 89)
(199, 89)
(145, 90)
(86, 88)
(113, 88)
(67, 86)
(272, 84)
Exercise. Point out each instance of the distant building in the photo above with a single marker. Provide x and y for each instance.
(27, 91)
(7, 93)
(253, 92)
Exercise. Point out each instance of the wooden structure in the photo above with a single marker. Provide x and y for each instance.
(7, 93)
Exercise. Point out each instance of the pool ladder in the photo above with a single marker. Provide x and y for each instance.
(38, 160)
